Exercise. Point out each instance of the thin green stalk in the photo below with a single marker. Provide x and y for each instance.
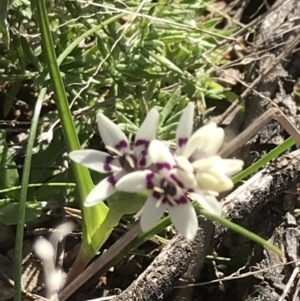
(3, 23)
(166, 221)
(239, 229)
(23, 196)
(38, 185)
(274, 153)
(62, 102)
(92, 217)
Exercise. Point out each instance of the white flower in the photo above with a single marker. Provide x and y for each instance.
(123, 161)
(168, 192)
(197, 154)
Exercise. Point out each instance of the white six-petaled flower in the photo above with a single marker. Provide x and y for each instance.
(196, 154)
(122, 159)
(195, 171)
(168, 192)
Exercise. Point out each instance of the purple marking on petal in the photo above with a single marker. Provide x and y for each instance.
(197, 155)
(163, 165)
(156, 195)
(140, 142)
(182, 141)
(149, 179)
(177, 181)
(121, 144)
(181, 200)
(112, 180)
(144, 152)
(107, 162)
(143, 162)
(167, 201)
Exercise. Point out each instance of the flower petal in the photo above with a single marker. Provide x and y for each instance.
(223, 166)
(137, 181)
(161, 156)
(99, 193)
(232, 166)
(111, 134)
(203, 165)
(207, 202)
(184, 164)
(213, 180)
(208, 139)
(184, 179)
(95, 160)
(151, 213)
(184, 219)
(149, 126)
(184, 128)
(198, 139)
(103, 190)
(145, 134)
(215, 142)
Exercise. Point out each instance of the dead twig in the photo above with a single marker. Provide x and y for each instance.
(233, 107)
(236, 276)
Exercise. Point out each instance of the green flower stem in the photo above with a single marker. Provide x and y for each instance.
(166, 221)
(239, 229)
(92, 216)
(23, 196)
(274, 153)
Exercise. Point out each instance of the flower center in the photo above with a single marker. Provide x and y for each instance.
(168, 187)
(128, 162)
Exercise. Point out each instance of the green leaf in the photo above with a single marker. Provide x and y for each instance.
(9, 212)
(3, 23)
(120, 204)
(169, 107)
(94, 216)
(23, 196)
(211, 23)
(9, 177)
(50, 154)
(10, 97)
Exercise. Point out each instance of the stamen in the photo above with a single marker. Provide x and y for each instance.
(113, 150)
(159, 202)
(128, 162)
(172, 201)
(159, 190)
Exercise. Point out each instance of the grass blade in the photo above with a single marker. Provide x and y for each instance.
(92, 217)
(23, 196)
